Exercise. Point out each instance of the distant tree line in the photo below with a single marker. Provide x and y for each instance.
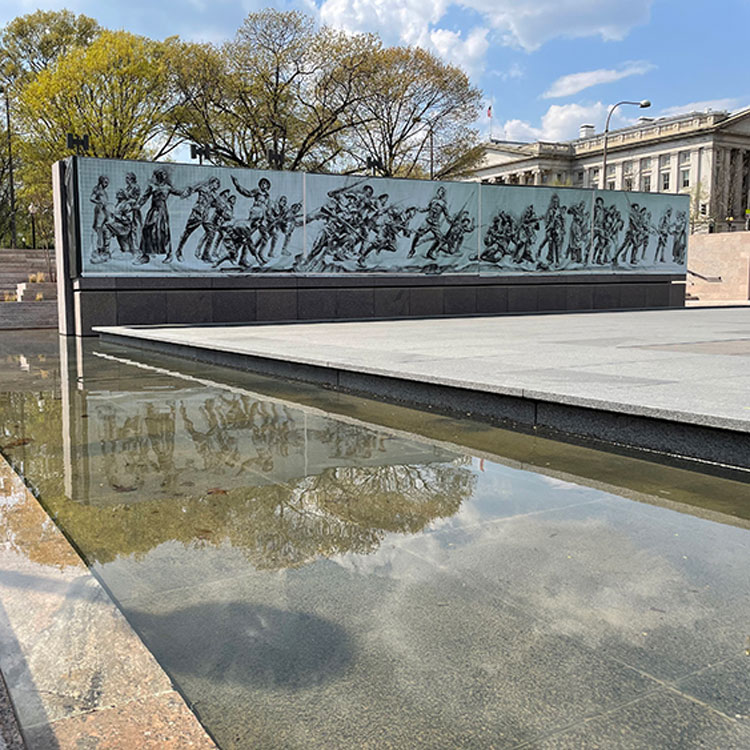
(283, 94)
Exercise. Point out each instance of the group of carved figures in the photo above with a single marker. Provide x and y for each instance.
(354, 223)
(223, 238)
(596, 240)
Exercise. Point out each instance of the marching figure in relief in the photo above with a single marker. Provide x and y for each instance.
(133, 195)
(199, 215)
(436, 210)
(100, 199)
(256, 221)
(663, 231)
(554, 231)
(578, 239)
(156, 238)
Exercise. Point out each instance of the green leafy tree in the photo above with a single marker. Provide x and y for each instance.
(30, 44)
(415, 116)
(116, 90)
(282, 85)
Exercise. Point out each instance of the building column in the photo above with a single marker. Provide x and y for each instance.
(674, 172)
(738, 207)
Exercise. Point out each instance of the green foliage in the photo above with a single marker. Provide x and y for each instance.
(317, 99)
(415, 110)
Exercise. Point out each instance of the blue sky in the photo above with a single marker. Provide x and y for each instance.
(546, 66)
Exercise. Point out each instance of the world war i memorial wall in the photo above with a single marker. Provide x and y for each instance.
(141, 243)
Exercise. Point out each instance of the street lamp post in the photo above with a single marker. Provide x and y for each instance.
(643, 104)
(12, 188)
(32, 213)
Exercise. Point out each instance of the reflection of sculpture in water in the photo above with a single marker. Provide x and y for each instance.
(351, 441)
(267, 428)
(124, 449)
(215, 445)
(160, 427)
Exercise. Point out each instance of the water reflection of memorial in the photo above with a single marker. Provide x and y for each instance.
(214, 466)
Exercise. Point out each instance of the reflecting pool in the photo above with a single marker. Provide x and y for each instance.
(317, 570)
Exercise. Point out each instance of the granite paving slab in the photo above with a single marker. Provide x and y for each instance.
(72, 663)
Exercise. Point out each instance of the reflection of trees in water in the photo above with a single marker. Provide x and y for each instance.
(277, 526)
(339, 510)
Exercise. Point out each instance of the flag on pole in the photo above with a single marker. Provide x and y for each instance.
(489, 111)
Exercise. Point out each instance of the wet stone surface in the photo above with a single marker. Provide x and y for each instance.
(314, 570)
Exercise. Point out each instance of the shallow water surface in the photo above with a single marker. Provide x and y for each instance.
(316, 570)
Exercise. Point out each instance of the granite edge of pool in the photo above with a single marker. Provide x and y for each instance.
(691, 437)
(77, 673)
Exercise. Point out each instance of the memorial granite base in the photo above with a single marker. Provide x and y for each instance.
(265, 299)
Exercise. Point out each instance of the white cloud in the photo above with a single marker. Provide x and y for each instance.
(575, 82)
(521, 23)
(559, 123)
(531, 23)
(715, 104)
(468, 54)
(515, 71)
(408, 22)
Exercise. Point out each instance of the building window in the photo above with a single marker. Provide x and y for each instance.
(665, 182)
(610, 170)
(685, 178)
(664, 161)
(704, 209)
(627, 167)
(646, 183)
(610, 185)
(627, 183)
(579, 178)
(684, 157)
(645, 165)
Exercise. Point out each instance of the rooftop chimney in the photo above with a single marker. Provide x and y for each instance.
(586, 131)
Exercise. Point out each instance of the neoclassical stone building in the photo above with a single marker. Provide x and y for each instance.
(705, 154)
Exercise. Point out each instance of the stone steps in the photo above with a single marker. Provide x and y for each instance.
(26, 292)
(15, 315)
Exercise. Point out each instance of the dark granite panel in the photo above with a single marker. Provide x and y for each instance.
(551, 298)
(130, 283)
(677, 295)
(316, 304)
(522, 298)
(96, 283)
(460, 300)
(94, 309)
(657, 295)
(256, 281)
(391, 302)
(426, 302)
(607, 297)
(233, 306)
(141, 308)
(492, 299)
(276, 304)
(355, 303)
(579, 297)
(188, 306)
(633, 295)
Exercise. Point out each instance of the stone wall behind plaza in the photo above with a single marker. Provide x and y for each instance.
(357, 248)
